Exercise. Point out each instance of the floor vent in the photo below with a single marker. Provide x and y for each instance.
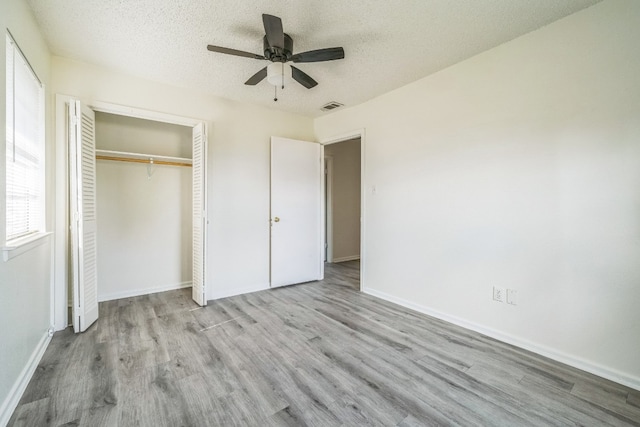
(331, 106)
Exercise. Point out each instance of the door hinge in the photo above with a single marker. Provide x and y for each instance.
(74, 120)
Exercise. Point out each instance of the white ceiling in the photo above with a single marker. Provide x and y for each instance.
(387, 43)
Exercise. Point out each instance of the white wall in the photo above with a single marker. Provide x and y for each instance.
(123, 133)
(517, 168)
(25, 310)
(345, 199)
(238, 178)
(144, 224)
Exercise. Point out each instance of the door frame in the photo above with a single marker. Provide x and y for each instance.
(60, 257)
(328, 206)
(358, 133)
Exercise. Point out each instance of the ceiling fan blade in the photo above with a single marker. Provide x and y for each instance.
(328, 54)
(303, 78)
(257, 77)
(273, 30)
(234, 52)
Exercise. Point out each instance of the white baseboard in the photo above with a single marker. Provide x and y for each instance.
(142, 291)
(15, 394)
(233, 292)
(346, 258)
(567, 359)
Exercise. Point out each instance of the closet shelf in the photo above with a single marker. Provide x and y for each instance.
(123, 156)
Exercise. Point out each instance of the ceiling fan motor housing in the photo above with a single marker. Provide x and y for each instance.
(276, 54)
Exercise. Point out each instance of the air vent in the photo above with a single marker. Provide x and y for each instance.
(331, 106)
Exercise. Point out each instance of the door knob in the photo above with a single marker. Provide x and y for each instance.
(276, 219)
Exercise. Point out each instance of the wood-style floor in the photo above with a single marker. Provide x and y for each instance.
(314, 354)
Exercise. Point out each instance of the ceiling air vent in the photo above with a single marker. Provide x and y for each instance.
(331, 106)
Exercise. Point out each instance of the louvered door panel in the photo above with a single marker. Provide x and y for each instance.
(88, 217)
(83, 206)
(199, 214)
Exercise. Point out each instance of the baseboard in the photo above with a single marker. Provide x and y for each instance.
(233, 292)
(143, 291)
(15, 394)
(558, 356)
(346, 258)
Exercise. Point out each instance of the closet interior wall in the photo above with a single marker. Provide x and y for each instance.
(144, 210)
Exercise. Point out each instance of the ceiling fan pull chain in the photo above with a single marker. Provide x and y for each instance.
(275, 93)
(282, 75)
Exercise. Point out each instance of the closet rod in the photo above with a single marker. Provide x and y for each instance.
(148, 161)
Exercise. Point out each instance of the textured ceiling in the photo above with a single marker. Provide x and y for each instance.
(387, 43)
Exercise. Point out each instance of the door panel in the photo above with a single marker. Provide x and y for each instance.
(296, 202)
(82, 178)
(198, 289)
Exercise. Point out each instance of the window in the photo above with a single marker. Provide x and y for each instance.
(24, 147)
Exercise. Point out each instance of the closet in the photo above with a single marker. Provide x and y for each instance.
(143, 198)
(137, 204)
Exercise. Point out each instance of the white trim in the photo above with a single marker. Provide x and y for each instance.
(61, 237)
(19, 246)
(142, 291)
(241, 291)
(345, 137)
(568, 359)
(328, 205)
(346, 258)
(138, 113)
(15, 394)
(321, 231)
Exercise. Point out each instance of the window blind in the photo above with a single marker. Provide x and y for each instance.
(24, 147)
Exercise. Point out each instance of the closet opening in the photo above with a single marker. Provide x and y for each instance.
(144, 206)
(133, 207)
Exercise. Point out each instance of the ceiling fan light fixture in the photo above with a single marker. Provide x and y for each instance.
(276, 71)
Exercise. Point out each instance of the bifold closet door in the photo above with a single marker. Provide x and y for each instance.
(82, 180)
(198, 288)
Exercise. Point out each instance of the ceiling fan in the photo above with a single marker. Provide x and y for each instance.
(278, 48)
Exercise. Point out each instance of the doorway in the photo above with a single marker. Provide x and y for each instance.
(343, 203)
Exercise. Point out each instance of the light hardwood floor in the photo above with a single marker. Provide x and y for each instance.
(312, 354)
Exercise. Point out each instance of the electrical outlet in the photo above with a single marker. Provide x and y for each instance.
(498, 294)
(512, 296)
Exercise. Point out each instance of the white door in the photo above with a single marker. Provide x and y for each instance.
(198, 290)
(82, 179)
(296, 203)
